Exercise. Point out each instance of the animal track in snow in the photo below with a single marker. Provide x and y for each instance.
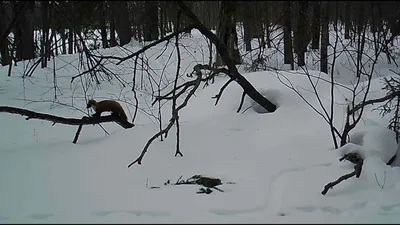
(272, 189)
(328, 209)
(333, 210)
(135, 212)
(391, 209)
(306, 208)
(41, 216)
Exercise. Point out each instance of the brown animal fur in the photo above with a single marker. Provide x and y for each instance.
(107, 106)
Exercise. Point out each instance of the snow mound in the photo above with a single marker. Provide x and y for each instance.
(376, 145)
(375, 140)
(376, 171)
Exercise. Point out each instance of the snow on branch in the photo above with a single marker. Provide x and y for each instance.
(371, 150)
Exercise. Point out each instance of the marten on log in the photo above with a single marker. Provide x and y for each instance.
(110, 106)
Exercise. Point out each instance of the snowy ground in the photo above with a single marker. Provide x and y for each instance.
(278, 163)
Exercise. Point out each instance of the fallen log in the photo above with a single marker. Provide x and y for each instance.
(68, 121)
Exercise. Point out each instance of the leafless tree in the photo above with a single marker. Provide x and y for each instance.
(287, 34)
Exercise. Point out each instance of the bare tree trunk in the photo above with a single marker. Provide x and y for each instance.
(167, 6)
(48, 49)
(324, 37)
(248, 23)
(226, 31)
(134, 20)
(211, 16)
(63, 41)
(45, 31)
(71, 31)
(5, 56)
(55, 42)
(287, 34)
(113, 40)
(266, 23)
(234, 74)
(27, 35)
(347, 20)
(122, 24)
(165, 19)
(374, 18)
(300, 37)
(247, 26)
(170, 21)
(360, 37)
(17, 33)
(258, 28)
(103, 26)
(184, 19)
(23, 30)
(71, 43)
(151, 21)
(161, 5)
(315, 25)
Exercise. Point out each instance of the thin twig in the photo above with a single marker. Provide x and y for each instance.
(218, 96)
(241, 102)
(356, 172)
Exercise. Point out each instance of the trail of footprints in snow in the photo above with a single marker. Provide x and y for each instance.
(37, 216)
(41, 216)
(358, 205)
(225, 212)
(45, 216)
(135, 212)
(395, 208)
(389, 209)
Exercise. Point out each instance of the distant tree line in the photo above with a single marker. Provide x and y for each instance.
(63, 25)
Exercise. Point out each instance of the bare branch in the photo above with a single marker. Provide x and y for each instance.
(91, 70)
(196, 70)
(69, 121)
(342, 178)
(356, 172)
(77, 134)
(57, 119)
(241, 102)
(18, 12)
(175, 112)
(166, 38)
(373, 101)
(218, 96)
(222, 50)
(171, 121)
(161, 132)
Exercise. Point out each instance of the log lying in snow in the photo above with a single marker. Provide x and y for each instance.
(69, 121)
